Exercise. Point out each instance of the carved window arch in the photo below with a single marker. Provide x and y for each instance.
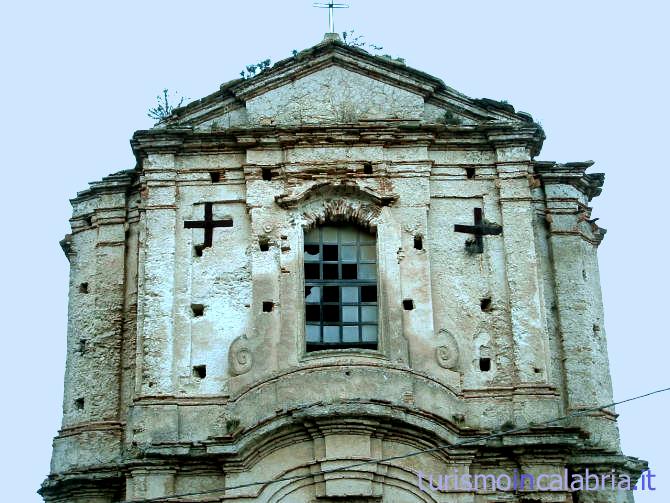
(341, 295)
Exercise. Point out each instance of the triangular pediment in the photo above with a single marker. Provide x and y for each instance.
(336, 83)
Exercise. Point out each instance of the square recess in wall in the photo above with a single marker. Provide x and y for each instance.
(200, 371)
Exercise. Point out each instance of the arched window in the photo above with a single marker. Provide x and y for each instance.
(340, 288)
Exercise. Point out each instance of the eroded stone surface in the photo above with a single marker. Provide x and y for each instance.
(333, 95)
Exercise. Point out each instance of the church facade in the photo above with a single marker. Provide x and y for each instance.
(340, 261)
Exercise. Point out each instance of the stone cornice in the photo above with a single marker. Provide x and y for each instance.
(388, 133)
(283, 73)
(571, 173)
(111, 184)
(66, 246)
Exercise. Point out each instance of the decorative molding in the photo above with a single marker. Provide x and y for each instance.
(571, 173)
(338, 188)
(240, 359)
(342, 210)
(447, 353)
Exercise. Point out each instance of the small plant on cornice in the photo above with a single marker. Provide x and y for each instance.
(232, 424)
(451, 119)
(253, 70)
(294, 52)
(164, 108)
(393, 58)
(350, 38)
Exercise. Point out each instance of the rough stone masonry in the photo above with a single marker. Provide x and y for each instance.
(340, 259)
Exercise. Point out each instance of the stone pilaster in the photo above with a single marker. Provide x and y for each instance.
(527, 318)
(157, 278)
(573, 242)
(91, 425)
(153, 482)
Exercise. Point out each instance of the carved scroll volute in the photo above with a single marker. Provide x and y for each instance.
(240, 359)
(446, 352)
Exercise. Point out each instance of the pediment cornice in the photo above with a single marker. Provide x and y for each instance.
(329, 189)
(333, 52)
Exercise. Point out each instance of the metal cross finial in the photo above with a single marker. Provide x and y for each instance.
(331, 6)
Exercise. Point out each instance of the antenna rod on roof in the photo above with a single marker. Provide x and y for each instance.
(331, 6)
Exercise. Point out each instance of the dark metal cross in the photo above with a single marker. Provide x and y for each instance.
(208, 224)
(331, 6)
(480, 229)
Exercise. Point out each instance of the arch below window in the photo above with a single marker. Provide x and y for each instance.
(341, 295)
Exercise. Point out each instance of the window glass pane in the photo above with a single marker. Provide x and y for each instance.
(312, 271)
(349, 271)
(331, 312)
(369, 333)
(348, 253)
(331, 293)
(312, 312)
(329, 271)
(330, 252)
(312, 236)
(367, 271)
(348, 234)
(369, 313)
(331, 333)
(366, 238)
(350, 334)
(349, 294)
(368, 253)
(369, 293)
(313, 333)
(312, 253)
(329, 235)
(312, 294)
(350, 313)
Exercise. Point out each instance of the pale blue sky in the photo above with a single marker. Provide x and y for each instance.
(78, 78)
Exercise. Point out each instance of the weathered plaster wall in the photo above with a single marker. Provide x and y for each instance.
(332, 95)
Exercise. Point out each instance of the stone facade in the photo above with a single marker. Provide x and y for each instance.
(187, 369)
